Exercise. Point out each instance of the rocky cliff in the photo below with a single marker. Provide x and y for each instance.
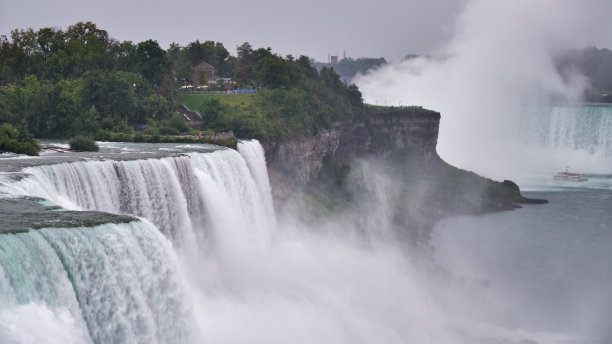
(293, 163)
(403, 141)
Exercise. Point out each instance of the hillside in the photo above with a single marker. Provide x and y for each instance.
(82, 82)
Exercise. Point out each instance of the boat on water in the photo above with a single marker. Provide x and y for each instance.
(569, 176)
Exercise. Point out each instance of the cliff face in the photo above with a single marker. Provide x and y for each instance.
(292, 163)
(400, 145)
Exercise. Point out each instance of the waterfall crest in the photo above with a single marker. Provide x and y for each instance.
(177, 194)
(156, 189)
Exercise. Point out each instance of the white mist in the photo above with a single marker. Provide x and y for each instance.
(484, 81)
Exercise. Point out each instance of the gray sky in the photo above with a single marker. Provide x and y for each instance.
(367, 28)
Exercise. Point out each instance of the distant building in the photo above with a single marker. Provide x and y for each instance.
(210, 72)
(193, 118)
(334, 59)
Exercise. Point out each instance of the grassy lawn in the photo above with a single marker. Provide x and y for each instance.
(193, 101)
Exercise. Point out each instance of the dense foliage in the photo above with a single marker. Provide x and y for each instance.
(348, 68)
(17, 140)
(82, 82)
(83, 144)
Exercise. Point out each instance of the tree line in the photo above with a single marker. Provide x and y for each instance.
(58, 83)
(348, 68)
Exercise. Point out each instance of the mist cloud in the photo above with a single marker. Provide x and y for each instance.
(499, 60)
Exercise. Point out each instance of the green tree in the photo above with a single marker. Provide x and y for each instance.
(88, 121)
(13, 62)
(49, 41)
(17, 140)
(214, 53)
(25, 40)
(274, 72)
(211, 111)
(87, 33)
(354, 95)
(177, 122)
(152, 61)
(202, 78)
(63, 119)
(116, 94)
(184, 73)
(157, 107)
(124, 56)
(87, 48)
(29, 101)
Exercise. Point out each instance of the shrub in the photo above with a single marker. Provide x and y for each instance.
(102, 135)
(83, 144)
(17, 140)
(165, 130)
(121, 137)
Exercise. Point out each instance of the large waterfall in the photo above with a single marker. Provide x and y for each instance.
(529, 143)
(122, 283)
(585, 128)
(547, 139)
(207, 259)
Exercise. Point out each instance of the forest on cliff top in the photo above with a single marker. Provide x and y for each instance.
(58, 83)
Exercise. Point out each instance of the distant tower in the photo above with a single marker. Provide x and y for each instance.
(344, 55)
(334, 59)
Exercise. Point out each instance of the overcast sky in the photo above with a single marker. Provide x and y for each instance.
(367, 28)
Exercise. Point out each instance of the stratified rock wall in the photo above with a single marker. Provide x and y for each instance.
(292, 163)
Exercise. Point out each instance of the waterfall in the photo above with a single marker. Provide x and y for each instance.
(239, 215)
(572, 128)
(254, 156)
(250, 277)
(549, 138)
(174, 193)
(119, 282)
(160, 190)
(114, 283)
(529, 144)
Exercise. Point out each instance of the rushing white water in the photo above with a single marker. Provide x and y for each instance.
(114, 283)
(160, 190)
(544, 140)
(249, 277)
(252, 279)
(253, 154)
(579, 135)
(586, 128)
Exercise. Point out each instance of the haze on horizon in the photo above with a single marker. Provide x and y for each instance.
(383, 28)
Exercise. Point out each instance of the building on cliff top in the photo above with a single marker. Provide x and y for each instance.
(208, 69)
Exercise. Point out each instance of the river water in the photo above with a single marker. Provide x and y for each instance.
(547, 266)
